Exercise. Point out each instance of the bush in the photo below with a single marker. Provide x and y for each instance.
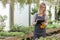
(34, 10)
(49, 38)
(17, 28)
(6, 34)
(2, 23)
(52, 26)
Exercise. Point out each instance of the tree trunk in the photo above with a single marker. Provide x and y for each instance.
(56, 13)
(11, 13)
(29, 14)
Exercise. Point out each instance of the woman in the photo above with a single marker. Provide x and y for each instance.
(38, 32)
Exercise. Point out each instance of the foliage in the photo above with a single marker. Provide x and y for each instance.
(34, 10)
(50, 21)
(56, 5)
(52, 26)
(59, 14)
(21, 2)
(17, 28)
(29, 1)
(3, 18)
(49, 38)
(49, 13)
(6, 34)
(4, 2)
(2, 23)
(37, 3)
(21, 34)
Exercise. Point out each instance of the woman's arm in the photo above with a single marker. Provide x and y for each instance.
(46, 20)
(34, 22)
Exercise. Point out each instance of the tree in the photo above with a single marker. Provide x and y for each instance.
(22, 2)
(4, 2)
(29, 2)
(12, 12)
(56, 3)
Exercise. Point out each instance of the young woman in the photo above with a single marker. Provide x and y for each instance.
(42, 17)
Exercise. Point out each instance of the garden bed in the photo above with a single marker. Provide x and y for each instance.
(27, 32)
(21, 35)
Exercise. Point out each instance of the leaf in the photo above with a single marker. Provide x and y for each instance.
(29, 1)
(21, 2)
(37, 3)
(4, 2)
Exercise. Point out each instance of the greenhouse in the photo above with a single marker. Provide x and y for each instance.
(17, 19)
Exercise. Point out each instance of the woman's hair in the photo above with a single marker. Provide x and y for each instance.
(41, 6)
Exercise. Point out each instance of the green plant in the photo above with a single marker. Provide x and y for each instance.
(17, 28)
(2, 23)
(50, 21)
(20, 34)
(48, 38)
(52, 26)
(34, 10)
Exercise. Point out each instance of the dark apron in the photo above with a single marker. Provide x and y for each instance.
(37, 31)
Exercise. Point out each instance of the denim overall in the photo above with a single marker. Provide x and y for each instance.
(37, 31)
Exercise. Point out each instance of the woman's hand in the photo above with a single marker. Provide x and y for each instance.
(37, 20)
(34, 23)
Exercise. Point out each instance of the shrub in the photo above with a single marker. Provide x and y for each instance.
(17, 28)
(49, 38)
(52, 26)
(2, 23)
(20, 34)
